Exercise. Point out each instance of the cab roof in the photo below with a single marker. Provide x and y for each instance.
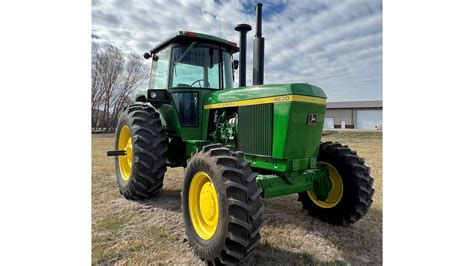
(181, 36)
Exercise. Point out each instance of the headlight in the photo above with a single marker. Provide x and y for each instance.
(153, 95)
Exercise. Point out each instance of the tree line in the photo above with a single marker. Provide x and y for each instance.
(115, 78)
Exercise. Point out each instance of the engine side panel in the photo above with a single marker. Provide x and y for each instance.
(255, 129)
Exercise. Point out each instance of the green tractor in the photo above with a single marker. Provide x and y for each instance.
(238, 145)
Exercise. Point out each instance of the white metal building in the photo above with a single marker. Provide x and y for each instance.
(356, 115)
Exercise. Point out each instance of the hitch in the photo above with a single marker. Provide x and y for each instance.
(116, 153)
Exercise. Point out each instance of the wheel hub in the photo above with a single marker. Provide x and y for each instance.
(125, 162)
(208, 202)
(203, 205)
(129, 152)
(335, 189)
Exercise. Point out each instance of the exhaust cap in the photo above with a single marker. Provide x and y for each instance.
(243, 27)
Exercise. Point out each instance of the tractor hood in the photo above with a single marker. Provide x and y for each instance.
(281, 121)
(259, 94)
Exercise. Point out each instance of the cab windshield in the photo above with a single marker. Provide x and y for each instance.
(200, 66)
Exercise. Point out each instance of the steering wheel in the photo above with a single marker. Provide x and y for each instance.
(199, 82)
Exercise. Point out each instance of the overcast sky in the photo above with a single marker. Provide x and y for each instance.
(336, 45)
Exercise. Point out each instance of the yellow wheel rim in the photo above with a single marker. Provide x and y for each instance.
(125, 162)
(335, 194)
(203, 205)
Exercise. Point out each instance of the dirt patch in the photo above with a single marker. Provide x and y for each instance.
(152, 231)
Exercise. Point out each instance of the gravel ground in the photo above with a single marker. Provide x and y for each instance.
(152, 231)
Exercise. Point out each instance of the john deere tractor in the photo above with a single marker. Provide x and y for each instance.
(238, 145)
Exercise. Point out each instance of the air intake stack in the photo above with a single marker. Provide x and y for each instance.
(258, 48)
(243, 29)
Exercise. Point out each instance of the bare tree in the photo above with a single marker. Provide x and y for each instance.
(133, 77)
(115, 77)
(113, 62)
(96, 86)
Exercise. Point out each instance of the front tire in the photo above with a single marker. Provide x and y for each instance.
(351, 191)
(222, 206)
(141, 171)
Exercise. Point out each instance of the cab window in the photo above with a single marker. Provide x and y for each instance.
(199, 67)
(160, 70)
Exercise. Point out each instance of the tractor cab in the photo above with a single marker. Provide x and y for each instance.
(192, 60)
(185, 68)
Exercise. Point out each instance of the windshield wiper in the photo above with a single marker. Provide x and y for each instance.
(185, 53)
(175, 62)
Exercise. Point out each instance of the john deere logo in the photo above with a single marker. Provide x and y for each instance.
(312, 119)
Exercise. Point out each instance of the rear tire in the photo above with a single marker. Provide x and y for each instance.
(144, 179)
(239, 202)
(357, 186)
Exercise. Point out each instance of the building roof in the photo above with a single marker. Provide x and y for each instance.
(189, 35)
(356, 104)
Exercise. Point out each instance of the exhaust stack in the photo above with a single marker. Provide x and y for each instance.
(243, 29)
(258, 48)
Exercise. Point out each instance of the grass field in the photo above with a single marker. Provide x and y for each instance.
(152, 231)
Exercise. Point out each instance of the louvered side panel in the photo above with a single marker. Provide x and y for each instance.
(255, 134)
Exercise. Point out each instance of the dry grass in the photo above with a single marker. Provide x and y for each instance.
(152, 232)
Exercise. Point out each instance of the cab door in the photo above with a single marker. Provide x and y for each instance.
(187, 107)
(194, 71)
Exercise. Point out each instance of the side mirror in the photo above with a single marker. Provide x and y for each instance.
(147, 55)
(235, 64)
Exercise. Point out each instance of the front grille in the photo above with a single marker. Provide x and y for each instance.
(255, 129)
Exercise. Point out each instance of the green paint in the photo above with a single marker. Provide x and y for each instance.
(322, 184)
(268, 163)
(280, 165)
(263, 91)
(278, 185)
(193, 146)
(274, 136)
(253, 141)
(293, 137)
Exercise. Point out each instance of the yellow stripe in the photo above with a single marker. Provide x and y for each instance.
(275, 99)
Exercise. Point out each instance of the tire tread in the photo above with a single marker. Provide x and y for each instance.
(360, 193)
(149, 147)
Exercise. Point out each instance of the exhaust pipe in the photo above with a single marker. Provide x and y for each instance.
(243, 29)
(258, 48)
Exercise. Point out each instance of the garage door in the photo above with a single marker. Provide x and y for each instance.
(329, 122)
(369, 119)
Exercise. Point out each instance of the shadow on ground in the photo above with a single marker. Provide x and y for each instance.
(358, 243)
(271, 255)
(168, 199)
(287, 212)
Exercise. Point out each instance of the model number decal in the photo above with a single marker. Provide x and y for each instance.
(282, 98)
(220, 105)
